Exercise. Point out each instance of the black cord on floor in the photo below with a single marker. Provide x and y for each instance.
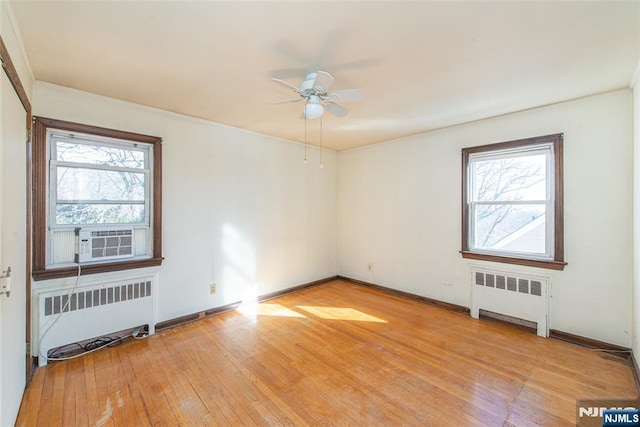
(78, 349)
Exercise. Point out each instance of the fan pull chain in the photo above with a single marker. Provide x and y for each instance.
(305, 137)
(321, 164)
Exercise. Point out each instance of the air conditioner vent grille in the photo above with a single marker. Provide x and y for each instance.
(105, 233)
(97, 245)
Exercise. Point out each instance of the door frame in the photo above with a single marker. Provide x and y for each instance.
(12, 74)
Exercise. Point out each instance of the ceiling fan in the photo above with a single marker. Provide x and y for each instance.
(314, 90)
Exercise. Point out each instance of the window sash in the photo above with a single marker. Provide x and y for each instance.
(548, 234)
(92, 166)
(543, 149)
(54, 164)
(546, 149)
(507, 153)
(97, 141)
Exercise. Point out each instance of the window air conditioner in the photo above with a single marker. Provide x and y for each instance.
(103, 244)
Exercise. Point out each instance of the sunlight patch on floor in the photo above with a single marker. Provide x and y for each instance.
(340, 313)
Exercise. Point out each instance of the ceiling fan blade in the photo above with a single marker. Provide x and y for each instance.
(291, 73)
(335, 109)
(323, 82)
(347, 95)
(287, 85)
(289, 101)
(351, 65)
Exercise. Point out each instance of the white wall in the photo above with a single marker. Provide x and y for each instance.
(12, 226)
(636, 223)
(240, 209)
(399, 209)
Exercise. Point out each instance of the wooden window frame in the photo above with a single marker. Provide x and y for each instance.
(41, 126)
(557, 262)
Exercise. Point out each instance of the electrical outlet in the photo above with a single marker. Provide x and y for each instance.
(370, 267)
(212, 288)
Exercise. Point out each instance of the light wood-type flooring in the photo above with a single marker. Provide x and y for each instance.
(336, 354)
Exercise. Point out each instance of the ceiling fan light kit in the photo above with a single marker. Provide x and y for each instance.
(314, 90)
(313, 109)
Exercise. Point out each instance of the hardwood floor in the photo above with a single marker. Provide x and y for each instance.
(336, 354)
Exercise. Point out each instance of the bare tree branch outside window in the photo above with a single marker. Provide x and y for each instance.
(512, 202)
(88, 193)
(498, 183)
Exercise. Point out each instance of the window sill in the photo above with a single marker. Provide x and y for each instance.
(529, 262)
(57, 273)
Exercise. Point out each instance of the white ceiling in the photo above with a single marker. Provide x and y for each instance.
(422, 65)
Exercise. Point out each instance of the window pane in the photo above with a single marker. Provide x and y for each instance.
(93, 184)
(68, 214)
(511, 228)
(99, 155)
(512, 178)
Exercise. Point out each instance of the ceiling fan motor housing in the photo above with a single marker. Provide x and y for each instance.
(314, 90)
(307, 84)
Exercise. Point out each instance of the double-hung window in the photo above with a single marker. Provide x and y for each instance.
(97, 199)
(512, 202)
(95, 182)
